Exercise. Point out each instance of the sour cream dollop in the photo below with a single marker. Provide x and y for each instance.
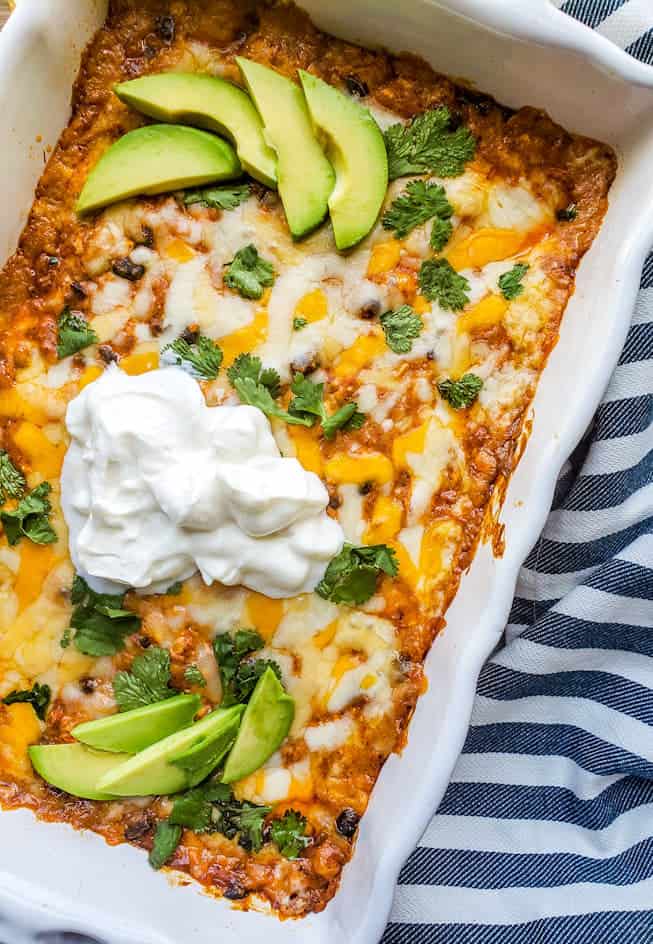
(156, 485)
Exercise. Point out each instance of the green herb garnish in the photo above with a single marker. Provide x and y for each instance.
(427, 145)
(166, 839)
(31, 518)
(308, 402)
(146, 682)
(174, 589)
(12, 480)
(258, 386)
(193, 676)
(99, 620)
(299, 323)
(352, 575)
(401, 327)
(419, 203)
(460, 394)
(439, 281)
(237, 674)
(218, 198)
(73, 333)
(213, 808)
(38, 697)
(202, 359)
(289, 833)
(510, 282)
(248, 273)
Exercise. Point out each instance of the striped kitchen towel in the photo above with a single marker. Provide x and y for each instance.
(545, 834)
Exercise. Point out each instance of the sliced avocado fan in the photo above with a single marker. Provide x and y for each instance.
(206, 101)
(157, 159)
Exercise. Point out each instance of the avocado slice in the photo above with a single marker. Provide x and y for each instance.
(180, 761)
(356, 148)
(305, 177)
(266, 722)
(133, 731)
(156, 159)
(75, 768)
(206, 102)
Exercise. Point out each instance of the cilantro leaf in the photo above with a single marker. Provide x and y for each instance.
(146, 682)
(352, 575)
(193, 676)
(248, 273)
(202, 359)
(460, 394)
(258, 387)
(174, 589)
(510, 282)
(289, 833)
(440, 234)
(99, 620)
(31, 518)
(218, 198)
(427, 145)
(166, 839)
(299, 323)
(194, 808)
(401, 327)
(308, 402)
(73, 333)
(38, 697)
(439, 281)
(239, 677)
(12, 480)
(419, 203)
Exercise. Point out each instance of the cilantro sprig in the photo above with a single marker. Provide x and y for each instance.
(460, 394)
(12, 480)
(308, 402)
(73, 333)
(439, 281)
(31, 519)
(146, 682)
(218, 198)
(428, 145)
(38, 696)
(401, 326)
(99, 620)
(289, 833)
(259, 386)
(202, 358)
(510, 282)
(419, 203)
(193, 676)
(239, 674)
(248, 273)
(166, 839)
(212, 808)
(352, 575)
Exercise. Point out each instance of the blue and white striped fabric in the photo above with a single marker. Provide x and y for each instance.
(545, 834)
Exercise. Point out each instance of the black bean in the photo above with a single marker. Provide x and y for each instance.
(335, 501)
(365, 488)
(165, 28)
(126, 269)
(147, 237)
(347, 823)
(370, 310)
(138, 828)
(235, 891)
(356, 86)
(144, 642)
(107, 354)
(78, 289)
(567, 214)
(190, 335)
(88, 685)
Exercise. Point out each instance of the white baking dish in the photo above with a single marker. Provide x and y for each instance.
(52, 878)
